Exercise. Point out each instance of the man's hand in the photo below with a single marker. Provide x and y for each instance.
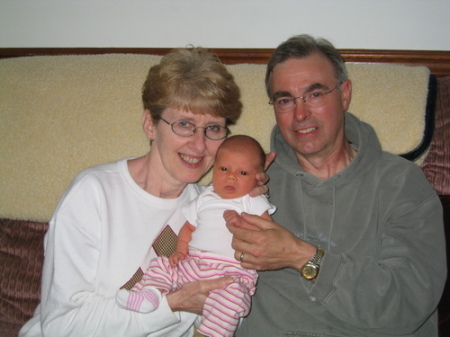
(191, 296)
(267, 246)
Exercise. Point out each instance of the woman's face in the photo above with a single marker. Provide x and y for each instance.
(182, 159)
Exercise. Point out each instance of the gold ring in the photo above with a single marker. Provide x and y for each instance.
(241, 257)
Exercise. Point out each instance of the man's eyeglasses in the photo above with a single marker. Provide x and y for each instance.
(313, 100)
(187, 129)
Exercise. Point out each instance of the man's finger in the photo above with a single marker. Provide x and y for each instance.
(270, 157)
(258, 221)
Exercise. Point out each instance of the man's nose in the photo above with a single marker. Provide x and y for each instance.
(301, 110)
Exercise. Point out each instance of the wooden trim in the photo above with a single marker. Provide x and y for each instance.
(437, 61)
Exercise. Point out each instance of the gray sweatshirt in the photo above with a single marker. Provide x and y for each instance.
(380, 223)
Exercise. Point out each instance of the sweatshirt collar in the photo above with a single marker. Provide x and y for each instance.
(360, 134)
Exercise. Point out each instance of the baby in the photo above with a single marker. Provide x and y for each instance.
(204, 243)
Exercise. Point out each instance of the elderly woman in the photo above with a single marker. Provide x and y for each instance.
(108, 218)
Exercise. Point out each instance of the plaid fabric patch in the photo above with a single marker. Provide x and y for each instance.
(133, 280)
(166, 243)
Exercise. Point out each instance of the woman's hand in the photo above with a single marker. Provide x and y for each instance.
(263, 178)
(191, 296)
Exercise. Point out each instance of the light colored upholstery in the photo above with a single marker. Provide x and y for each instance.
(61, 114)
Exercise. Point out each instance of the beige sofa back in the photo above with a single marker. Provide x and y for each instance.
(61, 114)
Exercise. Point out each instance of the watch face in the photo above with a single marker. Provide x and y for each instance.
(309, 271)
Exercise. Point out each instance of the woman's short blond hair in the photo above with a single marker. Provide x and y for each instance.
(195, 80)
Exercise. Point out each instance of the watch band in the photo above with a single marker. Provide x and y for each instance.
(317, 258)
(311, 269)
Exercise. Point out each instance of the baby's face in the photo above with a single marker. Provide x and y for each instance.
(234, 172)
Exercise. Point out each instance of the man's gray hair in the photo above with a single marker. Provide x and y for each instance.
(301, 46)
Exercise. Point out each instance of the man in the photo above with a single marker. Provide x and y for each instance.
(359, 249)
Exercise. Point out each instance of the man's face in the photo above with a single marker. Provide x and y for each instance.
(311, 131)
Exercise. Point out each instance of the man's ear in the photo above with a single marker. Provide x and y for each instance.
(346, 89)
(148, 125)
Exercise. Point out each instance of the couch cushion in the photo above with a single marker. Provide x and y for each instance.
(21, 257)
(436, 165)
(9, 330)
(61, 114)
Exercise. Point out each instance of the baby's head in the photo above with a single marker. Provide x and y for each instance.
(238, 160)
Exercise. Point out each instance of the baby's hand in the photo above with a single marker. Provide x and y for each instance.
(232, 218)
(176, 257)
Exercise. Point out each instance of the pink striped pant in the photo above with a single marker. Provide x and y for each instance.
(223, 307)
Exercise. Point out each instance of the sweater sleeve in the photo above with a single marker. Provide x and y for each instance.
(75, 300)
(397, 289)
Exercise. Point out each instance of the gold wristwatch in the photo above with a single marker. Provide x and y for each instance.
(311, 269)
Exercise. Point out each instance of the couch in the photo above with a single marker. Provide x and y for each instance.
(65, 110)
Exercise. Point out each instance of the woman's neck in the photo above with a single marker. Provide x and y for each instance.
(152, 178)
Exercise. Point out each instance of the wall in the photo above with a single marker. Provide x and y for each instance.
(368, 24)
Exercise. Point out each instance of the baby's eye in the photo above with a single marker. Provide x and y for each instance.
(243, 173)
(223, 169)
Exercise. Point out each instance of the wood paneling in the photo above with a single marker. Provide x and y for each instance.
(437, 61)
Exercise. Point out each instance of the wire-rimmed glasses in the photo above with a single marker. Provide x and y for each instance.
(316, 99)
(187, 129)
